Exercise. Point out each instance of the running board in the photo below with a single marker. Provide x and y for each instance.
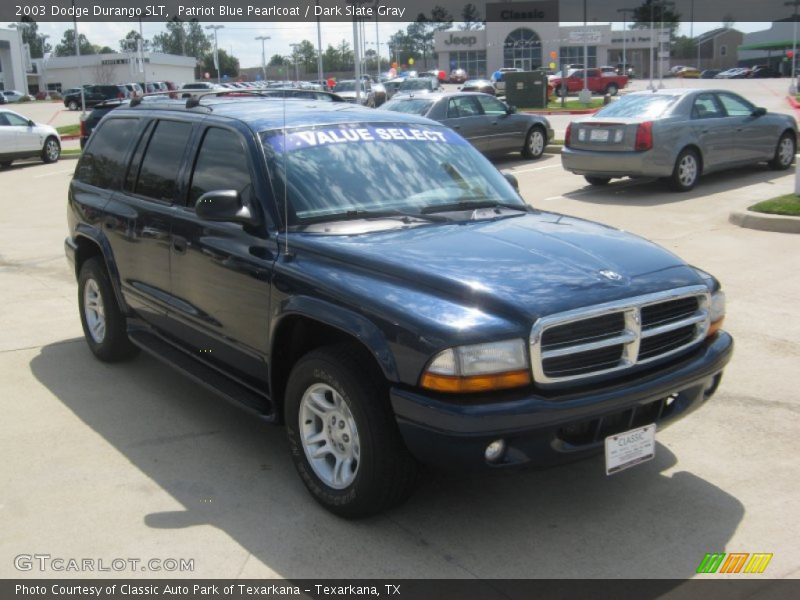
(230, 389)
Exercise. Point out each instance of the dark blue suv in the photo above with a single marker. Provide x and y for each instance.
(370, 281)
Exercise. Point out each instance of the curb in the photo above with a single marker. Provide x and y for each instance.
(793, 103)
(553, 149)
(765, 222)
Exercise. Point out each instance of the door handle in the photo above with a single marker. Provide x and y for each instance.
(179, 244)
(153, 233)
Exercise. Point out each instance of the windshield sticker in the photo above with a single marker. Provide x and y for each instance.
(298, 140)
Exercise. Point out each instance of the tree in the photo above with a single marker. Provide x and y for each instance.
(307, 56)
(471, 18)
(683, 47)
(653, 11)
(30, 36)
(228, 65)
(130, 42)
(197, 42)
(277, 60)
(173, 40)
(103, 49)
(66, 46)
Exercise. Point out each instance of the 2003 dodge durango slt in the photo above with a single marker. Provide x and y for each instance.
(373, 283)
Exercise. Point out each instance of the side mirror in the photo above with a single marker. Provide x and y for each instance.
(759, 112)
(511, 110)
(31, 123)
(224, 206)
(511, 178)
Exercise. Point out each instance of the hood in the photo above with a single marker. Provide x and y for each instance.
(524, 267)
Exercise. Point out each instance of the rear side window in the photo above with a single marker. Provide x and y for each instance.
(706, 107)
(104, 158)
(162, 159)
(221, 165)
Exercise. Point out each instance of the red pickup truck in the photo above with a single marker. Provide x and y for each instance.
(598, 82)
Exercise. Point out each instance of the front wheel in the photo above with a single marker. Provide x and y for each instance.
(597, 180)
(535, 142)
(51, 151)
(784, 152)
(72, 105)
(612, 89)
(686, 171)
(103, 323)
(342, 434)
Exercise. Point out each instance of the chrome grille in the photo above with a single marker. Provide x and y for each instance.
(612, 337)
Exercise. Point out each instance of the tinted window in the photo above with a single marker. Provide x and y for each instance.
(162, 160)
(16, 120)
(706, 107)
(463, 106)
(221, 165)
(103, 160)
(492, 106)
(736, 106)
(3, 120)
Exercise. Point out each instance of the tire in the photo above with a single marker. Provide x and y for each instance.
(784, 152)
(381, 473)
(72, 105)
(684, 176)
(597, 180)
(535, 143)
(98, 304)
(612, 89)
(51, 151)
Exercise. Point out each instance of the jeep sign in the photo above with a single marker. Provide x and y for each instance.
(466, 40)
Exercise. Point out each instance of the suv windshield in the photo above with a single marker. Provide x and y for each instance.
(647, 106)
(350, 170)
(421, 83)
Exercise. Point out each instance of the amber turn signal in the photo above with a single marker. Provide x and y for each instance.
(715, 327)
(476, 383)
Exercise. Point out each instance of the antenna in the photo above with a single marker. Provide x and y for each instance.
(285, 188)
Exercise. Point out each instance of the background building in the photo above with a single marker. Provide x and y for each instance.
(12, 61)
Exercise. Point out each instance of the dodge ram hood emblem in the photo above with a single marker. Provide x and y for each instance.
(611, 275)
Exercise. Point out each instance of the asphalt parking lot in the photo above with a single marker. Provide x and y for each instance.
(134, 461)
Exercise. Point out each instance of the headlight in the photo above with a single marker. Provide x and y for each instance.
(716, 312)
(478, 368)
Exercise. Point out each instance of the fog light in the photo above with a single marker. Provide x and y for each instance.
(495, 450)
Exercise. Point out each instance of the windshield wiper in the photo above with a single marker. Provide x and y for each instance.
(473, 203)
(374, 214)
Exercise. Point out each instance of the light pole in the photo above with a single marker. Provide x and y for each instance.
(377, 47)
(44, 37)
(216, 51)
(664, 4)
(294, 58)
(20, 27)
(320, 74)
(263, 39)
(141, 57)
(793, 84)
(585, 95)
(625, 12)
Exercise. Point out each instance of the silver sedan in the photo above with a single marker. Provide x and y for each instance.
(677, 134)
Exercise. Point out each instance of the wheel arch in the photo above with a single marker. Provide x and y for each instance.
(90, 243)
(310, 323)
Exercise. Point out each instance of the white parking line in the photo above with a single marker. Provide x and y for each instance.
(536, 169)
(54, 173)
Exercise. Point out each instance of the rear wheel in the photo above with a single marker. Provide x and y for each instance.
(784, 152)
(597, 180)
(103, 323)
(342, 434)
(535, 142)
(51, 151)
(612, 89)
(72, 105)
(686, 171)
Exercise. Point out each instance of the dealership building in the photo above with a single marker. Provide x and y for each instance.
(525, 34)
(19, 72)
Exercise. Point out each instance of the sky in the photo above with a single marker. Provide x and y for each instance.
(238, 38)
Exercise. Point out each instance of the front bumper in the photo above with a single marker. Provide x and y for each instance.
(614, 164)
(541, 430)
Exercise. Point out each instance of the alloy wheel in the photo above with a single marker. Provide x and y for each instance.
(687, 170)
(786, 151)
(94, 311)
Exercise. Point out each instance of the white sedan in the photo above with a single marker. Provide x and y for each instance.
(12, 95)
(22, 138)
